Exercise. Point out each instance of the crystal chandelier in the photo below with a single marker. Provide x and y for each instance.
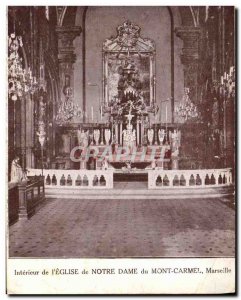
(186, 109)
(67, 109)
(20, 80)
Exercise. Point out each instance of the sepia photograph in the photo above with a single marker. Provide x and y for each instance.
(121, 133)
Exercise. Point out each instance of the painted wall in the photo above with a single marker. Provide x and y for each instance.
(101, 23)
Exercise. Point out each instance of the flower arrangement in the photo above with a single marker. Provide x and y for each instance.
(136, 106)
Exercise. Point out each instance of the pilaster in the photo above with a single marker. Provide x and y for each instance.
(66, 55)
(190, 57)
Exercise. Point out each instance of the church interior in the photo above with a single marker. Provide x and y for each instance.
(121, 131)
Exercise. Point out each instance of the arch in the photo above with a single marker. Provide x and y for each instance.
(177, 15)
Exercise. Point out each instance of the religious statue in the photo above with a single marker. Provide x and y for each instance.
(17, 174)
(153, 164)
(150, 135)
(105, 164)
(107, 136)
(176, 139)
(41, 133)
(83, 138)
(96, 136)
(161, 135)
(129, 137)
(129, 134)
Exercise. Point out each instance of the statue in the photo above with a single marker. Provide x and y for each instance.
(41, 133)
(161, 135)
(96, 136)
(129, 134)
(105, 164)
(17, 174)
(129, 137)
(176, 139)
(153, 164)
(83, 138)
(107, 136)
(150, 135)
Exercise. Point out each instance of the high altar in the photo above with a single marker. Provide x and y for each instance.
(129, 106)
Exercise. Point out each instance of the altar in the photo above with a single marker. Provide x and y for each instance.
(128, 134)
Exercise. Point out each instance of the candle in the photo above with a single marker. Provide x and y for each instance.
(92, 114)
(166, 114)
(225, 75)
(221, 79)
(101, 112)
(166, 120)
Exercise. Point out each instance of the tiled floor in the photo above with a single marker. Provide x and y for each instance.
(124, 228)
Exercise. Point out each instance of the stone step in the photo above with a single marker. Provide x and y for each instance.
(143, 193)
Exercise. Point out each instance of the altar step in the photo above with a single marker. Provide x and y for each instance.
(138, 190)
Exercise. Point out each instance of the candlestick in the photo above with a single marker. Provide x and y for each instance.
(166, 120)
(221, 79)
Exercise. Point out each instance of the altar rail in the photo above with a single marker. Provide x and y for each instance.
(189, 178)
(81, 179)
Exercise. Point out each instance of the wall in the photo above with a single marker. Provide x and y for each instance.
(101, 23)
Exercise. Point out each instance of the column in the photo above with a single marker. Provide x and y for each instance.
(66, 55)
(22, 212)
(189, 57)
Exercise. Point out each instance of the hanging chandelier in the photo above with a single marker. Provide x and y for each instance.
(186, 109)
(20, 80)
(67, 109)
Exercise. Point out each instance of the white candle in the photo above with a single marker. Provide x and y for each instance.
(166, 114)
(225, 75)
(101, 112)
(92, 114)
(166, 120)
(221, 79)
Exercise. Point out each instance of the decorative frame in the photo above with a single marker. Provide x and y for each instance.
(130, 53)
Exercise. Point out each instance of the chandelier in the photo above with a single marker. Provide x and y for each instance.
(20, 80)
(67, 109)
(186, 109)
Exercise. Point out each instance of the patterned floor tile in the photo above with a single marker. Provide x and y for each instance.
(133, 228)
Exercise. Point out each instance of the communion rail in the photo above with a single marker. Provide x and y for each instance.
(189, 178)
(157, 179)
(81, 179)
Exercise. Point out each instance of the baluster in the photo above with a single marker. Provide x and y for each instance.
(101, 136)
(230, 177)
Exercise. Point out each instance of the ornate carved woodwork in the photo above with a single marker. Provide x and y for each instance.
(128, 67)
(66, 54)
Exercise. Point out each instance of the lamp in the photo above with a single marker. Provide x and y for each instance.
(20, 80)
(186, 109)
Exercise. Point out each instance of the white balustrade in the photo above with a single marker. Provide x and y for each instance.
(78, 179)
(189, 178)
